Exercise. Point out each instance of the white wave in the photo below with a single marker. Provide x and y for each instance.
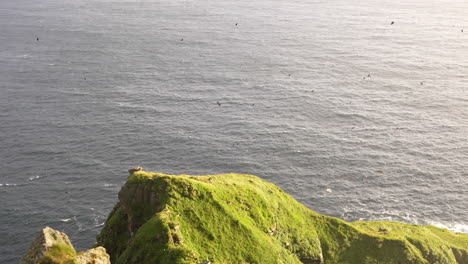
(328, 190)
(454, 227)
(410, 218)
(32, 178)
(8, 184)
(80, 226)
(68, 219)
(404, 217)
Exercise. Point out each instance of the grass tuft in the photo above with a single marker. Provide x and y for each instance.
(59, 253)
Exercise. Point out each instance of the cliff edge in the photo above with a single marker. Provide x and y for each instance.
(235, 218)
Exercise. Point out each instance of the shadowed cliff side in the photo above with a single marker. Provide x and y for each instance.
(235, 218)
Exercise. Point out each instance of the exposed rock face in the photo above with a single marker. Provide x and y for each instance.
(46, 238)
(140, 203)
(54, 247)
(94, 256)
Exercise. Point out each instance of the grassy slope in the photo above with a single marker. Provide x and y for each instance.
(236, 218)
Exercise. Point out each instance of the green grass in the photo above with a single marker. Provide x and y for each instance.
(59, 253)
(235, 218)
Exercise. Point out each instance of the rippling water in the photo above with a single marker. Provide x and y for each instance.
(353, 116)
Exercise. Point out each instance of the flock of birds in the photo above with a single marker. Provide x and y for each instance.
(289, 75)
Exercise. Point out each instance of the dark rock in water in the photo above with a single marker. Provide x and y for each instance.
(54, 247)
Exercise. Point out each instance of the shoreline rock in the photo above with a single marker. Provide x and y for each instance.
(51, 246)
(43, 242)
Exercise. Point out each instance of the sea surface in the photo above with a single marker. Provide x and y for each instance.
(354, 116)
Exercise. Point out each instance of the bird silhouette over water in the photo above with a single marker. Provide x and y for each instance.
(37, 39)
(181, 39)
(236, 24)
(393, 22)
(219, 104)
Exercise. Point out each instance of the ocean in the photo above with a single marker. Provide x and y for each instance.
(359, 109)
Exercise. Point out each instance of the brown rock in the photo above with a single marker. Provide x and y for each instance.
(94, 256)
(134, 169)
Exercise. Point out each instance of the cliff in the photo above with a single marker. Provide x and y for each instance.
(236, 218)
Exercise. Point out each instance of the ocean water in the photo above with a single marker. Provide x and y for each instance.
(354, 116)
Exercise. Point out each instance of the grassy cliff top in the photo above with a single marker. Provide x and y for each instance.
(234, 218)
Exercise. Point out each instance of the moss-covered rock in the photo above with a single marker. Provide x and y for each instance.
(54, 247)
(235, 218)
(50, 246)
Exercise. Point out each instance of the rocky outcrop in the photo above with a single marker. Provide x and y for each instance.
(54, 247)
(43, 243)
(94, 256)
(236, 218)
(134, 169)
